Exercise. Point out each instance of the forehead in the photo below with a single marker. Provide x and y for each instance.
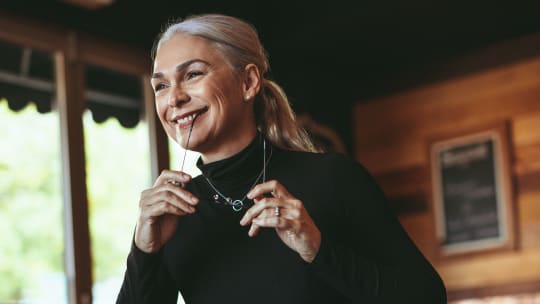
(181, 48)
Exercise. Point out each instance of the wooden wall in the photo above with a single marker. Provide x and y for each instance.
(391, 137)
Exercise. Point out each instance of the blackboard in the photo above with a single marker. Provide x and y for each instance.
(470, 191)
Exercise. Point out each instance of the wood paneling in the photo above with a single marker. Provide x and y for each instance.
(392, 136)
(404, 122)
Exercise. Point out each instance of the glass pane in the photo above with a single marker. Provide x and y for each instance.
(31, 221)
(118, 170)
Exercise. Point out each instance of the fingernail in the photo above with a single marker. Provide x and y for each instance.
(191, 209)
(194, 200)
(185, 177)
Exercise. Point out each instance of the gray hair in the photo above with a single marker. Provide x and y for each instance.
(239, 42)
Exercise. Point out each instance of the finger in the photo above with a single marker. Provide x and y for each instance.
(168, 176)
(183, 194)
(162, 208)
(258, 207)
(149, 196)
(254, 229)
(186, 208)
(184, 200)
(273, 187)
(274, 222)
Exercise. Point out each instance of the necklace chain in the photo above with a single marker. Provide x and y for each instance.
(237, 205)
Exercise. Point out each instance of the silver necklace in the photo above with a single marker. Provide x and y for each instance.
(238, 204)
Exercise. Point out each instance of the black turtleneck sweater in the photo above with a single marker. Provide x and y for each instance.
(365, 255)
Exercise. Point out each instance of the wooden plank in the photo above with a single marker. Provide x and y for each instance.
(526, 128)
(70, 102)
(159, 146)
(114, 55)
(405, 107)
(404, 181)
(490, 270)
(529, 215)
(31, 33)
(393, 133)
(515, 288)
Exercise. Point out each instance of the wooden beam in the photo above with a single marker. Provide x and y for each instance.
(90, 4)
(70, 103)
(159, 146)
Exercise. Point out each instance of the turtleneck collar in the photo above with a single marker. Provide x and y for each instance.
(246, 164)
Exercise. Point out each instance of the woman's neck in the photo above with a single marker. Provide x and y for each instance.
(231, 148)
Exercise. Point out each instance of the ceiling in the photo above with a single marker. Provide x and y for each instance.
(326, 54)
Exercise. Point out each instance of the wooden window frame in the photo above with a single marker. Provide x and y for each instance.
(71, 52)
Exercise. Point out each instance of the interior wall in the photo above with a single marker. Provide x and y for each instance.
(391, 136)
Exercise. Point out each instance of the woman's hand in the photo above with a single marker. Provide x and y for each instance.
(160, 208)
(287, 215)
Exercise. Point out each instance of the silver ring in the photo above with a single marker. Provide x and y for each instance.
(176, 183)
(277, 211)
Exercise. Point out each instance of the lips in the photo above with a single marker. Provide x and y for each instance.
(185, 120)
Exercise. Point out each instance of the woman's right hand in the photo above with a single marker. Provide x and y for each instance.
(160, 208)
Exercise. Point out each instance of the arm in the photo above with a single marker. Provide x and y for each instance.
(146, 280)
(374, 259)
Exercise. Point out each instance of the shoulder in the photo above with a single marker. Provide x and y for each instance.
(328, 163)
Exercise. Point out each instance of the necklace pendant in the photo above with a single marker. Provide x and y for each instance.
(228, 199)
(216, 197)
(237, 205)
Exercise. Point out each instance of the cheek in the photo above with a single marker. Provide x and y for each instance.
(161, 110)
(225, 94)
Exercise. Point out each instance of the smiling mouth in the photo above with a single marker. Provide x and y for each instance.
(187, 120)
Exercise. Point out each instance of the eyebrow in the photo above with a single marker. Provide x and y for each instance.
(179, 68)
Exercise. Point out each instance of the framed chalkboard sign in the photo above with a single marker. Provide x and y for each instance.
(472, 191)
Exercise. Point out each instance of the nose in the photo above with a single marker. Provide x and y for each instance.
(177, 97)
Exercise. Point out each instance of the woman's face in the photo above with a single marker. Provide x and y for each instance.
(190, 76)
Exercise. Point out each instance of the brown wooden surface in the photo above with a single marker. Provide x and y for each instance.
(159, 146)
(27, 32)
(114, 55)
(70, 98)
(391, 138)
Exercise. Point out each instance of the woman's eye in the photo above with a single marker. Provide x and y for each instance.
(193, 74)
(159, 87)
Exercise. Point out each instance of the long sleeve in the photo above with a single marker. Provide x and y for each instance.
(146, 280)
(372, 259)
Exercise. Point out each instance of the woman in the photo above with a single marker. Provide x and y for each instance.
(268, 221)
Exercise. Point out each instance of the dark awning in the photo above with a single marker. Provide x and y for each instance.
(27, 75)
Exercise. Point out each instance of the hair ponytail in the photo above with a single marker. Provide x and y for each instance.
(276, 120)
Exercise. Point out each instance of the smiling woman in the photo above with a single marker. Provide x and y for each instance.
(257, 221)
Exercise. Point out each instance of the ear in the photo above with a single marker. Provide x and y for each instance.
(251, 82)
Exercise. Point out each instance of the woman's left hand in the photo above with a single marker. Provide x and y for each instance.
(287, 215)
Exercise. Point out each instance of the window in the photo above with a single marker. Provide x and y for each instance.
(47, 178)
(118, 170)
(31, 205)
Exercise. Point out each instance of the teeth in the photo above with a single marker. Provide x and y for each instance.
(186, 119)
